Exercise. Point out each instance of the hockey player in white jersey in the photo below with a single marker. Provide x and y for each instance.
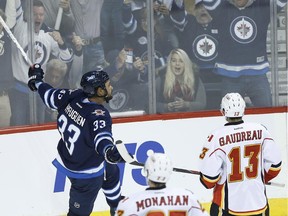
(237, 160)
(157, 199)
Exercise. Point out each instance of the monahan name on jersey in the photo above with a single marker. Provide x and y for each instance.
(178, 200)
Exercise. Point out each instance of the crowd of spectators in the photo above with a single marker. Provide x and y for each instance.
(200, 52)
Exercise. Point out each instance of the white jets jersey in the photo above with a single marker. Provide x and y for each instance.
(165, 201)
(43, 47)
(235, 159)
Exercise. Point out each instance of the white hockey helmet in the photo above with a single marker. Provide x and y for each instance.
(158, 168)
(233, 105)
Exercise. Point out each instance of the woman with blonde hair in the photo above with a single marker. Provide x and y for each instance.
(181, 87)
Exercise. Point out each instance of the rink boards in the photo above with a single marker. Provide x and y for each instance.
(30, 185)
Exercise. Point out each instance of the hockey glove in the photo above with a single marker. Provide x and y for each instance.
(36, 75)
(112, 155)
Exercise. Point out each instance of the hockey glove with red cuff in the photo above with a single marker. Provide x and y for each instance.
(35, 75)
(112, 155)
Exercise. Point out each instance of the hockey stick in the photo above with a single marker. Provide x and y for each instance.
(129, 159)
(277, 184)
(15, 41)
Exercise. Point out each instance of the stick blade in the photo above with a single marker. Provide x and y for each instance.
(123, 151)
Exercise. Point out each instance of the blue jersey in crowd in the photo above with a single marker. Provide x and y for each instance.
(242, 34)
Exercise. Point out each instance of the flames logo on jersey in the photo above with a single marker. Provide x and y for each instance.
(243, 30)
(205, 47)
(99, 112)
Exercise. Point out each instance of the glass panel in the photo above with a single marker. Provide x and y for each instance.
(162, 56)
(130, 81)
(227, 40)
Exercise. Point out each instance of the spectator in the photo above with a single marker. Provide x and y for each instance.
(56, 72)
(67, 21)
(200, 41)
(171, 18)
(237, 160)
(181, 89)
(130, 85)
(157, 170)
(6, 81)
(242, 58)
(111, 25)
(136, 40)
(87, 27)
(87, 155)
(56, 76)
(46, 44)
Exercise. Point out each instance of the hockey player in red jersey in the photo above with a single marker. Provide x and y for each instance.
(157, 199)
(237, 160)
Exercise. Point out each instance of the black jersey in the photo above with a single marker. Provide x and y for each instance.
(85, 129)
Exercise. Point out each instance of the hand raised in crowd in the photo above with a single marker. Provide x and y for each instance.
(161, 8)
(139, 64)
(57, 37)
(121, 58)
(65, 4)
(77, 42)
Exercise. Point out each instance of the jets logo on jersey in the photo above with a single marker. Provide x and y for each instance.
(40, 51)
(119, 100)
(243, 30)
(142, 40)
(205, 47)
(99, 112)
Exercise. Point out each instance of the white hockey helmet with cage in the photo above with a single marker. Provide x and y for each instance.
(158, 168)
(233, 105)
